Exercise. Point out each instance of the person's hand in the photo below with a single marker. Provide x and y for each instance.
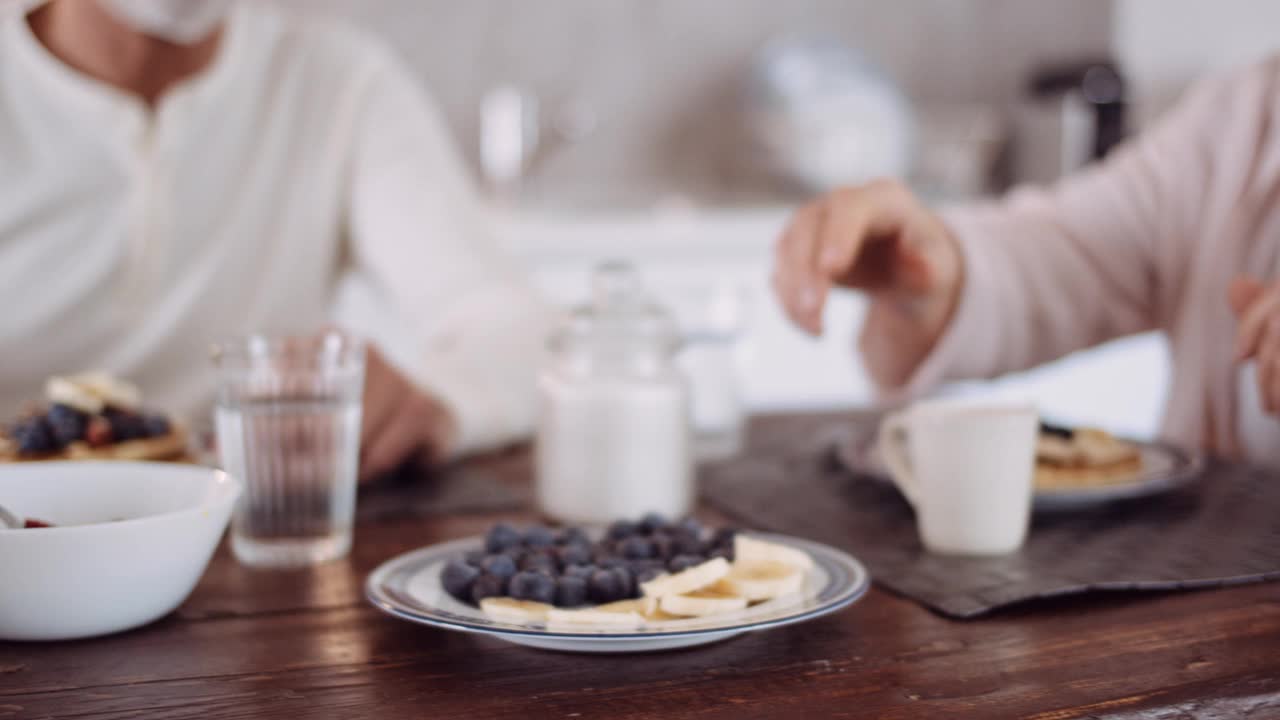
(1257, 309)
(400, 421)
(880, 239)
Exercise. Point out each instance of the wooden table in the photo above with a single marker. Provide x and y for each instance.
(257, 644)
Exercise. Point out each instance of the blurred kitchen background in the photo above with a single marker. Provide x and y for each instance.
(679, 133)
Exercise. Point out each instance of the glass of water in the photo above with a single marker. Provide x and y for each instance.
(288, 426)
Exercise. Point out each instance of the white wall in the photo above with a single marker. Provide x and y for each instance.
(1165, 44)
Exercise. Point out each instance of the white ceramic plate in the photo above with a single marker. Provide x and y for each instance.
(1164, 468)
(408, 587)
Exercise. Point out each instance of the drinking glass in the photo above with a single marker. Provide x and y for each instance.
(288, 426)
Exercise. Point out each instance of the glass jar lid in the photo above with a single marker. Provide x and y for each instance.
(620, 313)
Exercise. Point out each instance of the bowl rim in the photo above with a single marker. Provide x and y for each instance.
(228, 486)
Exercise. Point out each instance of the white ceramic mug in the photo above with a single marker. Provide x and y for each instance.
(968, 469)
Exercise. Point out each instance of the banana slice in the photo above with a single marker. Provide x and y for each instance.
(749, 551)
(508, 609)
(657, 614)
(64, 391)
(686, 581)
(701, 603)
(621, 614)
(112, 390)
(761, 580)
(91, 392)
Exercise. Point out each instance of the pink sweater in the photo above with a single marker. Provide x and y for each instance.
(1148, 239)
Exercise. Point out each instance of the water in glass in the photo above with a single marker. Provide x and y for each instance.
(288, 425)
(297, 458)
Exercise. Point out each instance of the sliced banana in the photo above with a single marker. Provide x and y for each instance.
(112, 390)
(621, 614)
(750, 551)
(65, 391)
(92, 391)
(701, 603)
(508, 609)
(761, 580)
(657, 614)
(686, 581)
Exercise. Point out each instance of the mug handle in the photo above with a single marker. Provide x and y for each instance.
(891, 442)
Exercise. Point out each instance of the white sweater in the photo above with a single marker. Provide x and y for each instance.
(131, 238)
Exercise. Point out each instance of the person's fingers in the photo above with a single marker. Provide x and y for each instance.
(844, 229)
(1249, 330)
(396, 441)
(1243, 292)
(1268, 366)
(793, 274)
(868, 242)
(383, 389)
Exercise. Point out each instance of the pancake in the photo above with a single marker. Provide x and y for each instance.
(171, 446)
(1082, 458)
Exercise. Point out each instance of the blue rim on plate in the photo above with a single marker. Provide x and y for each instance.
(838, 580)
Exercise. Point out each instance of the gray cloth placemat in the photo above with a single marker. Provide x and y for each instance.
(1223, 529)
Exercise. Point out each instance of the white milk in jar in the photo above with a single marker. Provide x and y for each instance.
(613, 432)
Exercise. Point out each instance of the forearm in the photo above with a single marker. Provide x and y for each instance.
(482, 363)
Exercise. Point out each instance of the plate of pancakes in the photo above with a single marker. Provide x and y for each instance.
(91, 416)
(1076, 467)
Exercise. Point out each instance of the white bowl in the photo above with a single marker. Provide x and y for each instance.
(129, 544)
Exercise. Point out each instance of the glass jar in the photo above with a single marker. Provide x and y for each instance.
(613, 437)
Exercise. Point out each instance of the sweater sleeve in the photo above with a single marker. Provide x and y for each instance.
(419, 233)
(1049, 271)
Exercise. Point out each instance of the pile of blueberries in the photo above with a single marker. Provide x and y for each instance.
(61, 425)
(566, 568)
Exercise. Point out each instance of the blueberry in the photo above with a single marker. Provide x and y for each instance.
(621, 529)
(723, 537)
(600, 552)
(646, 569)
(534, 586)
(499, 565)
(626, 580)
(663, 546)
(67, 423)
(606, 586)
(579, 571)
(573, 536)
(539, 537)
(125, 425)
(722, 552)
(539, 561)
(571, 591)
(457, 578)
(1065, 433)
(638, 565)
(684, 544)
(156, 425)
(609, 562)
(501, 537)
(474, 557)
(690, 526)
(33, 436)
(647, 574)
(573, 555)
(684, 562)
(652, 522)
(636, 548)
(488, 586)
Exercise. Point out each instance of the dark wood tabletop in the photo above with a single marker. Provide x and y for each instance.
(270, 644)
